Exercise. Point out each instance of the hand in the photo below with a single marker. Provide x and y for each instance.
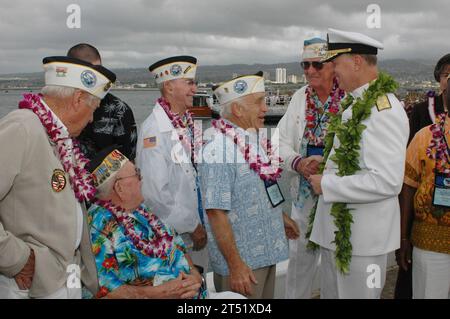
(315, 181)
(199, 237)
(183, 287)
(309, 165)
(242, 279)
(196, 274)
(290, 227)
(24, 278)
(403, 256)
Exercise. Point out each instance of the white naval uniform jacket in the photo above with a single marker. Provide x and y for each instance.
(168, 186)
(290, 134)
(372, 192)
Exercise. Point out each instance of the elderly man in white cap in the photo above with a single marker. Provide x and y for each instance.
(43, 181)
(241, 195)
(302, 131)
(166, 155)
(357, 222)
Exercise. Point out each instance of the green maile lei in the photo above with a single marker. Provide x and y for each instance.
(346, 158)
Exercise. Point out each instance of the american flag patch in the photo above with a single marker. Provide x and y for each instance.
(150, 142)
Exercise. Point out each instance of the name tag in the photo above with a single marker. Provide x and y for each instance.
(441, 194)
(274, 192)
(314, 150)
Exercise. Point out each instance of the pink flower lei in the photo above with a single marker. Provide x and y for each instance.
(312, 111)
(192, 144)
(79, 177)
(438, 143)
(160, 243)
(270, 170)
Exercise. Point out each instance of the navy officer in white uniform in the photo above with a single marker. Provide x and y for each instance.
(371, 193)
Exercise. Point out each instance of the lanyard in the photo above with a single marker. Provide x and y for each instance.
(447, 152)
(319, 122)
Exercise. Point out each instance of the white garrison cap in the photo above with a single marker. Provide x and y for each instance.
(177, 67)
(239, 87)
(340, 42)
(314, 48)
(65, 71)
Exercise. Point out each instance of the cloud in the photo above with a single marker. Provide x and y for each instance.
(135, 33)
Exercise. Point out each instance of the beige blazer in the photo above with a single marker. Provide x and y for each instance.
(32, 214)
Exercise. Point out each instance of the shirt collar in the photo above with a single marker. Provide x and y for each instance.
(360, 91)
(164, 123)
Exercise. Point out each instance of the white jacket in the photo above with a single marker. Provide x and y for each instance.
(289, 135)
(168, 186)
(372, 192)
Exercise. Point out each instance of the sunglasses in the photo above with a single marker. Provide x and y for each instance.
(316, 65)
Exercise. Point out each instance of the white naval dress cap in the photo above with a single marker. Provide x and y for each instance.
(239, 87)
(314, 48)
(65, 71)
(340, 42)
(177, 67)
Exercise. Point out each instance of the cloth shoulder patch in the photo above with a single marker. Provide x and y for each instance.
(383, 103)
(150, 142)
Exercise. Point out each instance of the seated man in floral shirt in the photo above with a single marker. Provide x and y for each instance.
(136, 254)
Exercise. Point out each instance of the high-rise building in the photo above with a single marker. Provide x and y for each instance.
(292, 79)
(303, 79)
(266, 76)
(280, 75)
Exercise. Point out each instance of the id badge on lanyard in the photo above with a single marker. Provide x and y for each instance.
(441, 193)
(274, 193)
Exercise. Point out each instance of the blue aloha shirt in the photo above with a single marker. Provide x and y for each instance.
(304, 190)
(119, 262)
(233, 187)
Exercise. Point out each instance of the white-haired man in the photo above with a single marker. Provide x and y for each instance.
(43, 182)
(302, 133)
(166, 155)
(246, 235)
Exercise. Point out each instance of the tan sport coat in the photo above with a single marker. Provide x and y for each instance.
(32, 214)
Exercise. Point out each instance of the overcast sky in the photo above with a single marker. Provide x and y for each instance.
(136, 33)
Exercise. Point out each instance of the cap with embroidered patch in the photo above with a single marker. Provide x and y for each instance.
(177, 67)
(106, 164)
(314, 48)
(239, 87)
(71, 72)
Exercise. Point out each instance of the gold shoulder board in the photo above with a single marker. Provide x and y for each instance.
(383, 103)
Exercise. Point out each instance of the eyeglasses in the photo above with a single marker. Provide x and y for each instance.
(315, 64)
(138, 174)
